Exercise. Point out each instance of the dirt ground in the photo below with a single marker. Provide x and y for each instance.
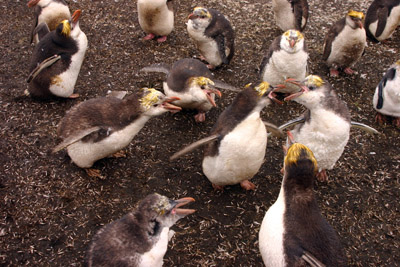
(50, 209)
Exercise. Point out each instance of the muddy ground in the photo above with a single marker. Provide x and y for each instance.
(50, 208)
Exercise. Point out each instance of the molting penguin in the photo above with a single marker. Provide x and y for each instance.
(293, 231)
(286, 58)
(290, 14)
(57, 60)
(140, 238)
(344, 43)
(325, 126)
(382, 19)
(213, 36)
(51, 12)
(191, 81)
(99, 127)
(156, 17)
(236, 147)
(386, 99)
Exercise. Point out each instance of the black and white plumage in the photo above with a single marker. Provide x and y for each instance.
(140, 238)
(345, 43)
(382, 19)
(57, 60)
(286, 58)
(293, 231)
(100, 127)
(156, 18)
(213, 35)
(191, 81)
(290, 14)
(50, 12)
(236, 147)
(386, 100)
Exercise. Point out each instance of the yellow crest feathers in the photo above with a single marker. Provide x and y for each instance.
(202, 81)
(262, 88)
(355, 14)
(315, 80)
(294, 152)
(151, 97)
(201, 11)
(66, 30)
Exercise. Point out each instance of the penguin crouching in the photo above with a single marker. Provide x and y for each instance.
(382, 19)
(290, 14)
(293, 231)
(57, 60)
(140, 238)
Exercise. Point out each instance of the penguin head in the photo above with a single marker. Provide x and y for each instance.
(154, 103)
(207, 89)
(263, 93)
(41, 3)
(292, 41)
(355, 19)
(300, 166)
(159, 211)
(200, 17)
(70, 28)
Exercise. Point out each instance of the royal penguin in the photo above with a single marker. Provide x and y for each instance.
(100, 127)
(191, 81)
(50, 12)
(235, 149)
(156, 18)
(213, 36)
(290, 14)
(345, 43)
(382, 19)
(325, 126)
(57, 60)
(293, 231)
(140, 238)
(386, 99)
(286, 58)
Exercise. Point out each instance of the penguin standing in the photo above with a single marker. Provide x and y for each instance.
(236, 147)
(51, 12)
(213, 36)
(278, 64)
(386, 99)
(140, 238)
(290, 14)
(382, 19)
(57, 60)
(345, 43)
(99, 127)
(293, 231)
(156, 18)
(191, 81)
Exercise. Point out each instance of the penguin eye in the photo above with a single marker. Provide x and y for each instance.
(312, 87)
(202, 87)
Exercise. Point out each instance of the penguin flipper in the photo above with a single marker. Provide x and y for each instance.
(273, 129)
(41, 30)
(44, 64)
(75, 138)
(194, 145)
(382, 18)
(117, 94)
(311, 260)
(159, 67)
(223, 85)
(292, 123)
(220, 39)
(364, 127)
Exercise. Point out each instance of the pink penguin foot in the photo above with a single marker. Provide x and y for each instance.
(162, 39)
(218, 187)
(334, 72)
(380, 118)
(210, 67)
(396, 122)
(349, 71)
(322, 176)
(149, 37)
(73, 96)
(246, 184)
(200, 117)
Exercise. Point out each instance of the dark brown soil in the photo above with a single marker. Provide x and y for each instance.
(50, 208)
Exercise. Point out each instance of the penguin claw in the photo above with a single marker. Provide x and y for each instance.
(334, 72)
(149, 36)
(119, 154)
(73, 96)
(246, 184)
(349, 71)
(218, 187)
(94, 173)
(162, 39)
(396, 122)
(322, 176)
(200, 117)
(380, 119)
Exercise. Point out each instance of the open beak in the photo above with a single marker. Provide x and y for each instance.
(33, 3)
(181, 202)
(272, 94)
(75, 17)
(192, 16)
(208, 93)
(303, 90)
(359, 23)
(167, 104)
(292, 43)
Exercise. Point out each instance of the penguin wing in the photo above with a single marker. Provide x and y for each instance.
(75, 138)
(41, 30)
(331, 35)
(364, 127)
(194, 145)
(300, 10)
(389, 75)
(159, 67)
(36, 11)
(292, 123)
(220, 39)
(275, 46)
(382, 19)
(274, 129)
(44, 64)
(311, 260)
(223, 85)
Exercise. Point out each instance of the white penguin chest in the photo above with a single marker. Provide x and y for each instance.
(391, 98)
(326, 134)
(155, 17)
(391, 24)
(155, 256)
(284, 15)
(271, 234)
(240, 154)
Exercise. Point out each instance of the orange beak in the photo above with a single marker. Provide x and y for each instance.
(33, 3)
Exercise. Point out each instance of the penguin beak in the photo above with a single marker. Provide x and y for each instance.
(192, 16)
(33, 3)
(304, 89)
(209, 93)
(75, 17)
(359, 23)
(170, 107)
(292, 43)
(181, 202)
(272, 95)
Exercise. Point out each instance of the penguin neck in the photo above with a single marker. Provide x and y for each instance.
(298, 190)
